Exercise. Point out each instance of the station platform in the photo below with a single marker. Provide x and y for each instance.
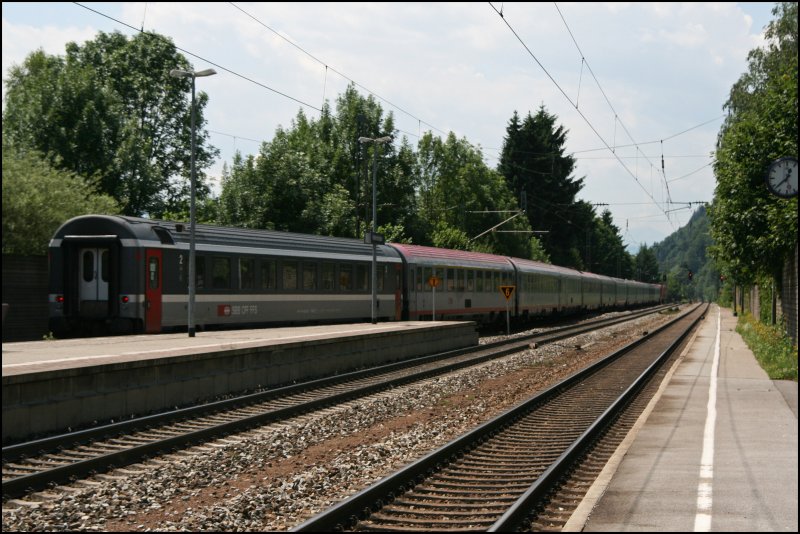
(49, 386)
(715, 451)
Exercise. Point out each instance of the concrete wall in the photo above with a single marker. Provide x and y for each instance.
(42, 403)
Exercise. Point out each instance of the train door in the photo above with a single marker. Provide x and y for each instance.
(93, 268)
(152, 292)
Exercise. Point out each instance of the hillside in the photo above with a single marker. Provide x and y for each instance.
(684, 251)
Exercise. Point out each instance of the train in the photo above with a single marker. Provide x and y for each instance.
(113, 274)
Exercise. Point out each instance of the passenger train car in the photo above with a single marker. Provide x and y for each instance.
(116, 274)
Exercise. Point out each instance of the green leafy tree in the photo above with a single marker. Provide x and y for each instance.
(37, 199)
(353, 161)
(754, 231)
(538, 252)
(315, 176)
(109, 111)
(687, 250)
(460, 198)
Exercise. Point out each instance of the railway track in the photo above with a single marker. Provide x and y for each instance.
(36, 465)
(502, 475)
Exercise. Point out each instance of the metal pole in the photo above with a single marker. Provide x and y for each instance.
(376, 142)
(433, 317)
(190, 323)
(180, 73)
(508, 321)
(374, 230)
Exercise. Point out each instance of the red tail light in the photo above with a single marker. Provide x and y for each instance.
(125, 299)
(60, 299)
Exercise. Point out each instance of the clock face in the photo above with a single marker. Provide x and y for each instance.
(782, 177)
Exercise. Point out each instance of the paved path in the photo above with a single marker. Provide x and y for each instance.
(715, 451)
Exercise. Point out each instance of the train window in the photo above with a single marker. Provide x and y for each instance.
(152, 272)
(451, 280)
(345, 277)
(381, 277)
(268, 271)
(309, 276)
(462, 278)
(328, 277)
(362, 280)
(425, 277)
(420, 280)
(88, 266)
(220, 272)
(104, 265)
(479, 281)
(199, 272)
(289, 275)
(470, 280)
(247, 269)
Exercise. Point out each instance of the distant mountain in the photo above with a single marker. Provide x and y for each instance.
(686, 251)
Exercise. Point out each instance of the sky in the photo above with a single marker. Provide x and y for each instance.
(634, 84)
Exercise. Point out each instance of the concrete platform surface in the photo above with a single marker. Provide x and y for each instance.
(38, 356)
(715, 451)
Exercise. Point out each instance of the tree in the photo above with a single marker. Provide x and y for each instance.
(687, 250)
(110, 112)
(37, 199)
(754, 231)
(315, 177)
(537, 170)
(460, 198)
(609, 256)
(646, 265)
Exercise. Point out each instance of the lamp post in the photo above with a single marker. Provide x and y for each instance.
(377, 141)
(178, 73)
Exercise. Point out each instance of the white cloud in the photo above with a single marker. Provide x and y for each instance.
(664, 68)
(19, 40)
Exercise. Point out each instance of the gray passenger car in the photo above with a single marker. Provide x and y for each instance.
(126, 274)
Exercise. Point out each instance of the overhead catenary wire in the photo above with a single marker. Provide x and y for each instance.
(588, 122)
(246, 78)
(201, 58)
(327, 66)
(610, 105)
(419, 120)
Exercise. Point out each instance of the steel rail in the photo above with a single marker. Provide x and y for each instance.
(347, 514)
(20, 485)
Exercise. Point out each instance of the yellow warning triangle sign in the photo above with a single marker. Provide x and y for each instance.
(507, 291)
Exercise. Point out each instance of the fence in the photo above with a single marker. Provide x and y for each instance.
(760, 300)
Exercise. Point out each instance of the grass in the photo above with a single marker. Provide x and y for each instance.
(772, 347)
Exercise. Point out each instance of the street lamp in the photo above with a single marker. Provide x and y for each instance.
(372, 235)
(178, 73)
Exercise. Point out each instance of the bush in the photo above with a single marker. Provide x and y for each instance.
(772, 347)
